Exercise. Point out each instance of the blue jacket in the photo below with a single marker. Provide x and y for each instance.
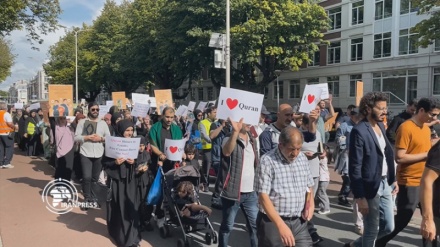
(365, 160)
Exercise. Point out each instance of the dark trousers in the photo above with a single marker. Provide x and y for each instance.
(64, 166)
(6, 149)
(32, 145)
(218, 182)
(407, 201)
(206, 165)
(22, 144)
(91, 168)
(269, 236)
(77, 169)
(345, 188)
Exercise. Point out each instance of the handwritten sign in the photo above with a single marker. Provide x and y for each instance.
(152, 101)
(18, 105)
(310, 98)
(237, 104)
(202, 105)
(174, 149)
(34, 106)
(182, 110)
(140, 110)
(119, 147)
(191, 105)
(103, 109)
(139, 98)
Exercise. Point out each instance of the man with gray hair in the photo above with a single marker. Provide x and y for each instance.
(6, 137)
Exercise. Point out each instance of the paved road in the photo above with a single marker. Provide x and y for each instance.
(24, 220)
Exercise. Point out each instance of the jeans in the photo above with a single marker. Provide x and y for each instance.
(206, 166)
(91, 168)
(380, 218)
(407, 201)
(248, 203)
(6, 150)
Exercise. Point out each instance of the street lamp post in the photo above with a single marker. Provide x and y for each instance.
(228, 47)
(278, 73)
(76, 63)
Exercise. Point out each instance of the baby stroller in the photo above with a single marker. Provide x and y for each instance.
(172, 213)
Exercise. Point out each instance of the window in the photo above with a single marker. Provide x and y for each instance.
(314, 80)
(315, 60)
(210, 93)
(275, 92)
(193, 94)
(406, 7)
(384, 9)
(294, 92)
(407, 42)
(333, 85)
(265, 92)
(335, 18)
(353, 80)
(402, 85)
(357, 13)
(200, 93)
(356, 49)
(334, 53)
(436, 82)
(382, 45)
(437, 45)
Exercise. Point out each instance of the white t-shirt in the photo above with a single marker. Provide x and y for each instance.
(8, 119)
(383, 144)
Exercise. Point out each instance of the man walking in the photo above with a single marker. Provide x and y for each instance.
(269, 137)
(413, 141)
(371, 169)
(91, 133)
(7, 130)
(399, 119)
(205, 129)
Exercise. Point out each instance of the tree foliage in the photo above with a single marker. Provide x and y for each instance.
(36, 16)
(165, 42)
(429, 29)
(6, 59)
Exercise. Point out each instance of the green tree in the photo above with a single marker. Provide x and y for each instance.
(429, 29)
(6, 59)
(36, 16)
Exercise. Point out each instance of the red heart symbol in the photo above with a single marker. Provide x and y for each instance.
(231, 103)
(173, 149)
(310, 98)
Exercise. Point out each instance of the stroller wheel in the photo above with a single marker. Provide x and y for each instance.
(164, 232)
(214, 237)
(180, 243)
(208, 238)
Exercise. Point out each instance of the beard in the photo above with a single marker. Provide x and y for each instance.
(376, 117)
(94, 114)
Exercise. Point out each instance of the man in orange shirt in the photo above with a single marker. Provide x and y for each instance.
(413, 141)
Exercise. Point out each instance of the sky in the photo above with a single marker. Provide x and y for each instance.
(28, 61)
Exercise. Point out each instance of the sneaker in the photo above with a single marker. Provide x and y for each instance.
(316, 238)
(324, 211)
(8, 166)
(359, 230)
(343, 201)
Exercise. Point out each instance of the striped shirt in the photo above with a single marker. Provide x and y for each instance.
(285, 182)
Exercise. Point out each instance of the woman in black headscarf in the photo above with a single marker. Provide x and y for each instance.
(123, 201)
(116, 117)
(32, 133)
(22, 131)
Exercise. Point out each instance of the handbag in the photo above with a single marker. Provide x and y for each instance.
(155, 194)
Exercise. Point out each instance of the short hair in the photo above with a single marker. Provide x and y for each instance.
(350, 107)
(186, 186)
(428, 104)
(369, 101)
(210, 109)
(3, 106)
(413, 102)
(287, 135)
(190, 149)
(168, 108)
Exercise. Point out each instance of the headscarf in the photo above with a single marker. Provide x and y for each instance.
(121, 126)
(36, 118)
(143, 140)
(115, 117)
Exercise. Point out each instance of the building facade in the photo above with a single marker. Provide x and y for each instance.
(18, 92)
(37, 88)
(370, 41)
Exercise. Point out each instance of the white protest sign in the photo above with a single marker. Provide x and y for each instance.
(324, 87)
(140, 98)
(34, 106)
(18, 105)
(238, 104)
(140, 110)
(119, 147)
(152, 102)
(103, 109)
(191, 105)
(310, 98)
(182, 110)
(109, 103)
(174, 149)
(202, 105)
(83, 101)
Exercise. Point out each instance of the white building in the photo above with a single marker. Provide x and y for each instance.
(18, 92)
(370, 41)
(38, 87)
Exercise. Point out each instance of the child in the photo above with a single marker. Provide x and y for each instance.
(145, 179)
(185, 201)
(190, 152)
(324, 178)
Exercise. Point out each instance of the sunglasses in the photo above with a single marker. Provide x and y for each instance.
(94, 109)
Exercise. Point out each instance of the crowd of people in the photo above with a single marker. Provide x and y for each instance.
(276, 173)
